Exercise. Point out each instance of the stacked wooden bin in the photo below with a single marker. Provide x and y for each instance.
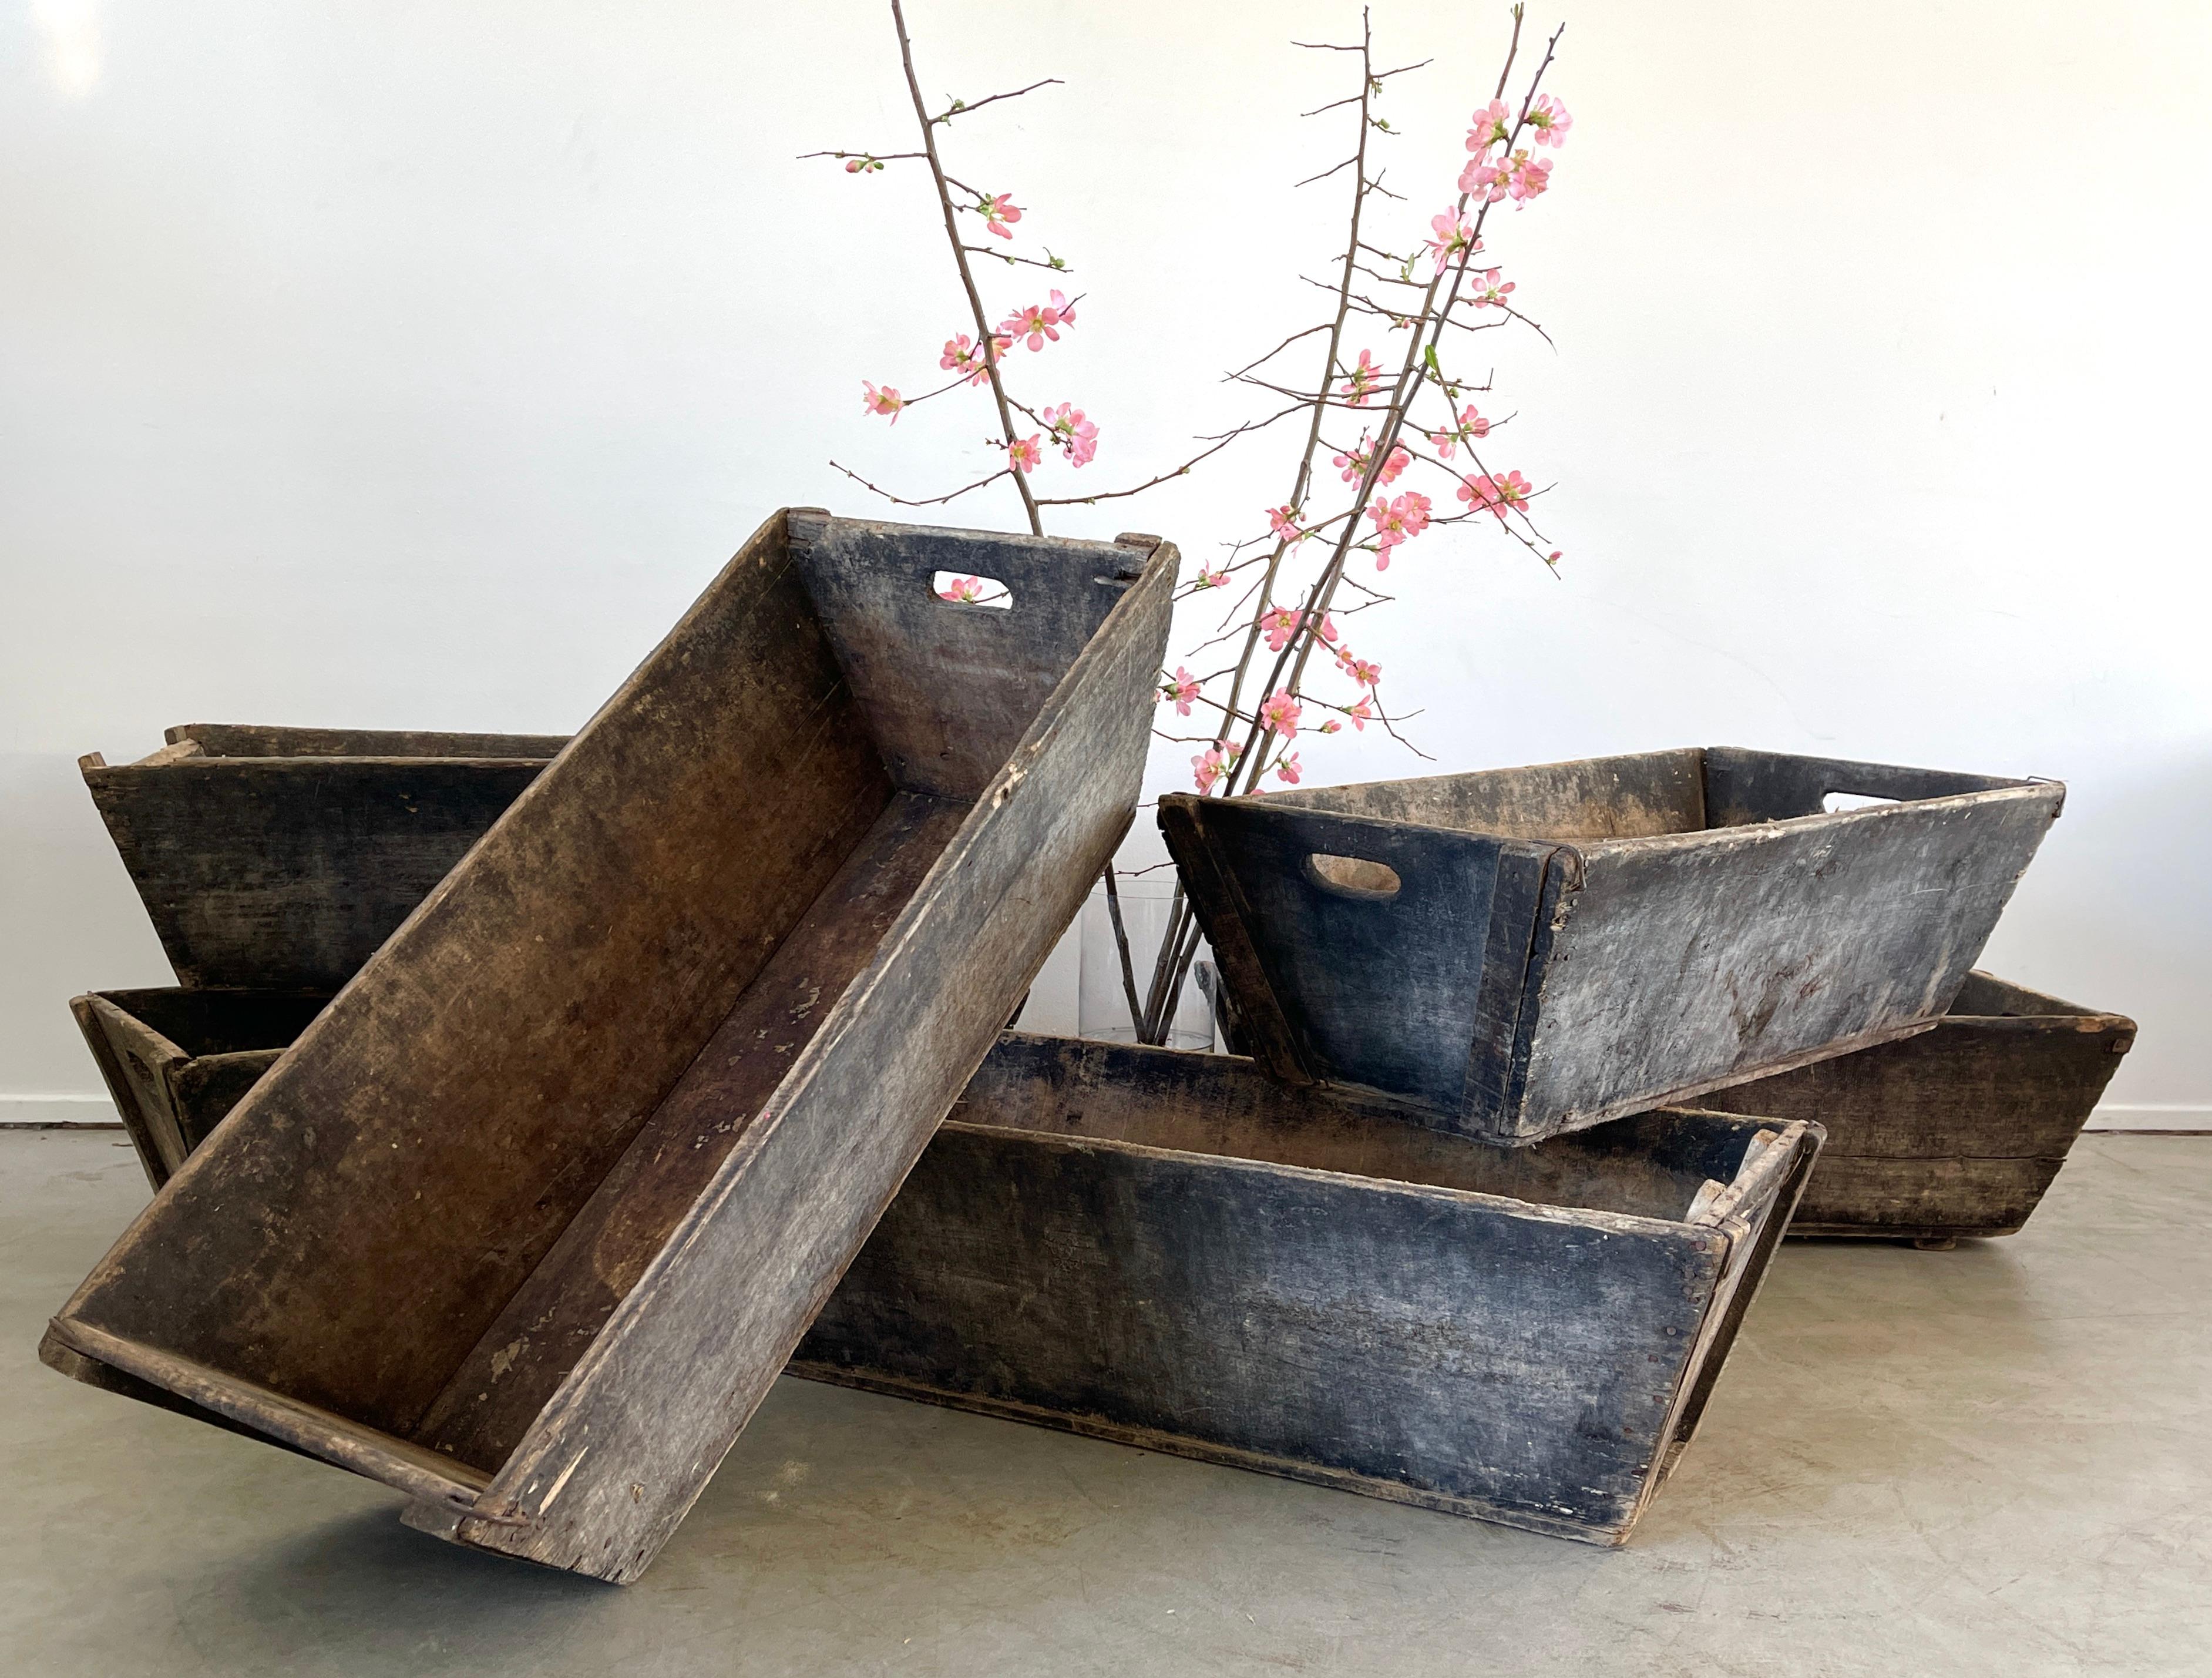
(528, 1105)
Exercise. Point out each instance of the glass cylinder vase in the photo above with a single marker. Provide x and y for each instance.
(1101, 996)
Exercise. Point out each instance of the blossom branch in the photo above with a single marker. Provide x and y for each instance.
(984, 336)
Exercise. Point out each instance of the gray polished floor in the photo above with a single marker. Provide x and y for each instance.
(1992, 1460)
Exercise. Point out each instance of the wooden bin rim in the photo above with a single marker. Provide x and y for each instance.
(1749, 1181)
(235, 744)
(2047, 1010)
(1574, 852)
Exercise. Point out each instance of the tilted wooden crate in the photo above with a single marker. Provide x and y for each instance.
(1521, 953)
(525, 1223)
(271, 856)
(1955, 1132)
(1171, 1250)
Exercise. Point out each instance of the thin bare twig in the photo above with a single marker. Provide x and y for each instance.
(986, 341)
(932, 500)
(962, 108)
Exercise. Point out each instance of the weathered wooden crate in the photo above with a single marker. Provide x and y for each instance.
(526, 1222)
(1524, 951)
(1171, 1250)
(1955, 1132)
(176, 1061)
(285, 856)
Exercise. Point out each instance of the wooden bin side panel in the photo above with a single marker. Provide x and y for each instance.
(629, 1440)
(1971, 1089)
(1407, 1342)
(1755, 1230)
(1745, 786)
(249, 880)
(209, 1086)
(1747, 948)
(348, 1236)
(949, 689)
(1383, 992)
(133, 1061)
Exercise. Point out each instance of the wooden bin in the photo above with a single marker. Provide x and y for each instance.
(525, 1223)
(1522, 953)
(177, 1061)
(1956, 1132)
(1169, 1250)
(285, 856)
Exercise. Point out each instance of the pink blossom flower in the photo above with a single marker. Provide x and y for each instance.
(1453, 235)
(1493, 126)
(963, 589)
(1025, 454)
(1364, 672)
(1211, 579)
(863, 166)
(1282, 520)
(1397, 521)
(1364, 380)
(962, 355)
(1076, 436)
(1182, 689)
(884, 400)
(1551, 121)
(1278, 713)
(1281, 623)
(1286, 768)
(997, 212)
(1529, 177)
(1353, 466)
(1471, 424)
(1489, 294)
(1211, 764)
(1499, 495)
(1332, 726)
(1039, 321)
(1361, 714)
(1483, 180)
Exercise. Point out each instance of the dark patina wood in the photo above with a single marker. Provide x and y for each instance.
(654, 1056)
(285, 856)
(1172, 1251)
(1956, 1132)
(176, 1061)
(1554, 946)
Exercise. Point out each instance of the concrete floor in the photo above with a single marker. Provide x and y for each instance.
(1992, 1461)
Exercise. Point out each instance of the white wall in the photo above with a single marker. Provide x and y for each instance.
(414, 365)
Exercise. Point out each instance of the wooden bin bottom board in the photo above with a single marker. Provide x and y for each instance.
(1168, 1250)
(1957, 1132)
